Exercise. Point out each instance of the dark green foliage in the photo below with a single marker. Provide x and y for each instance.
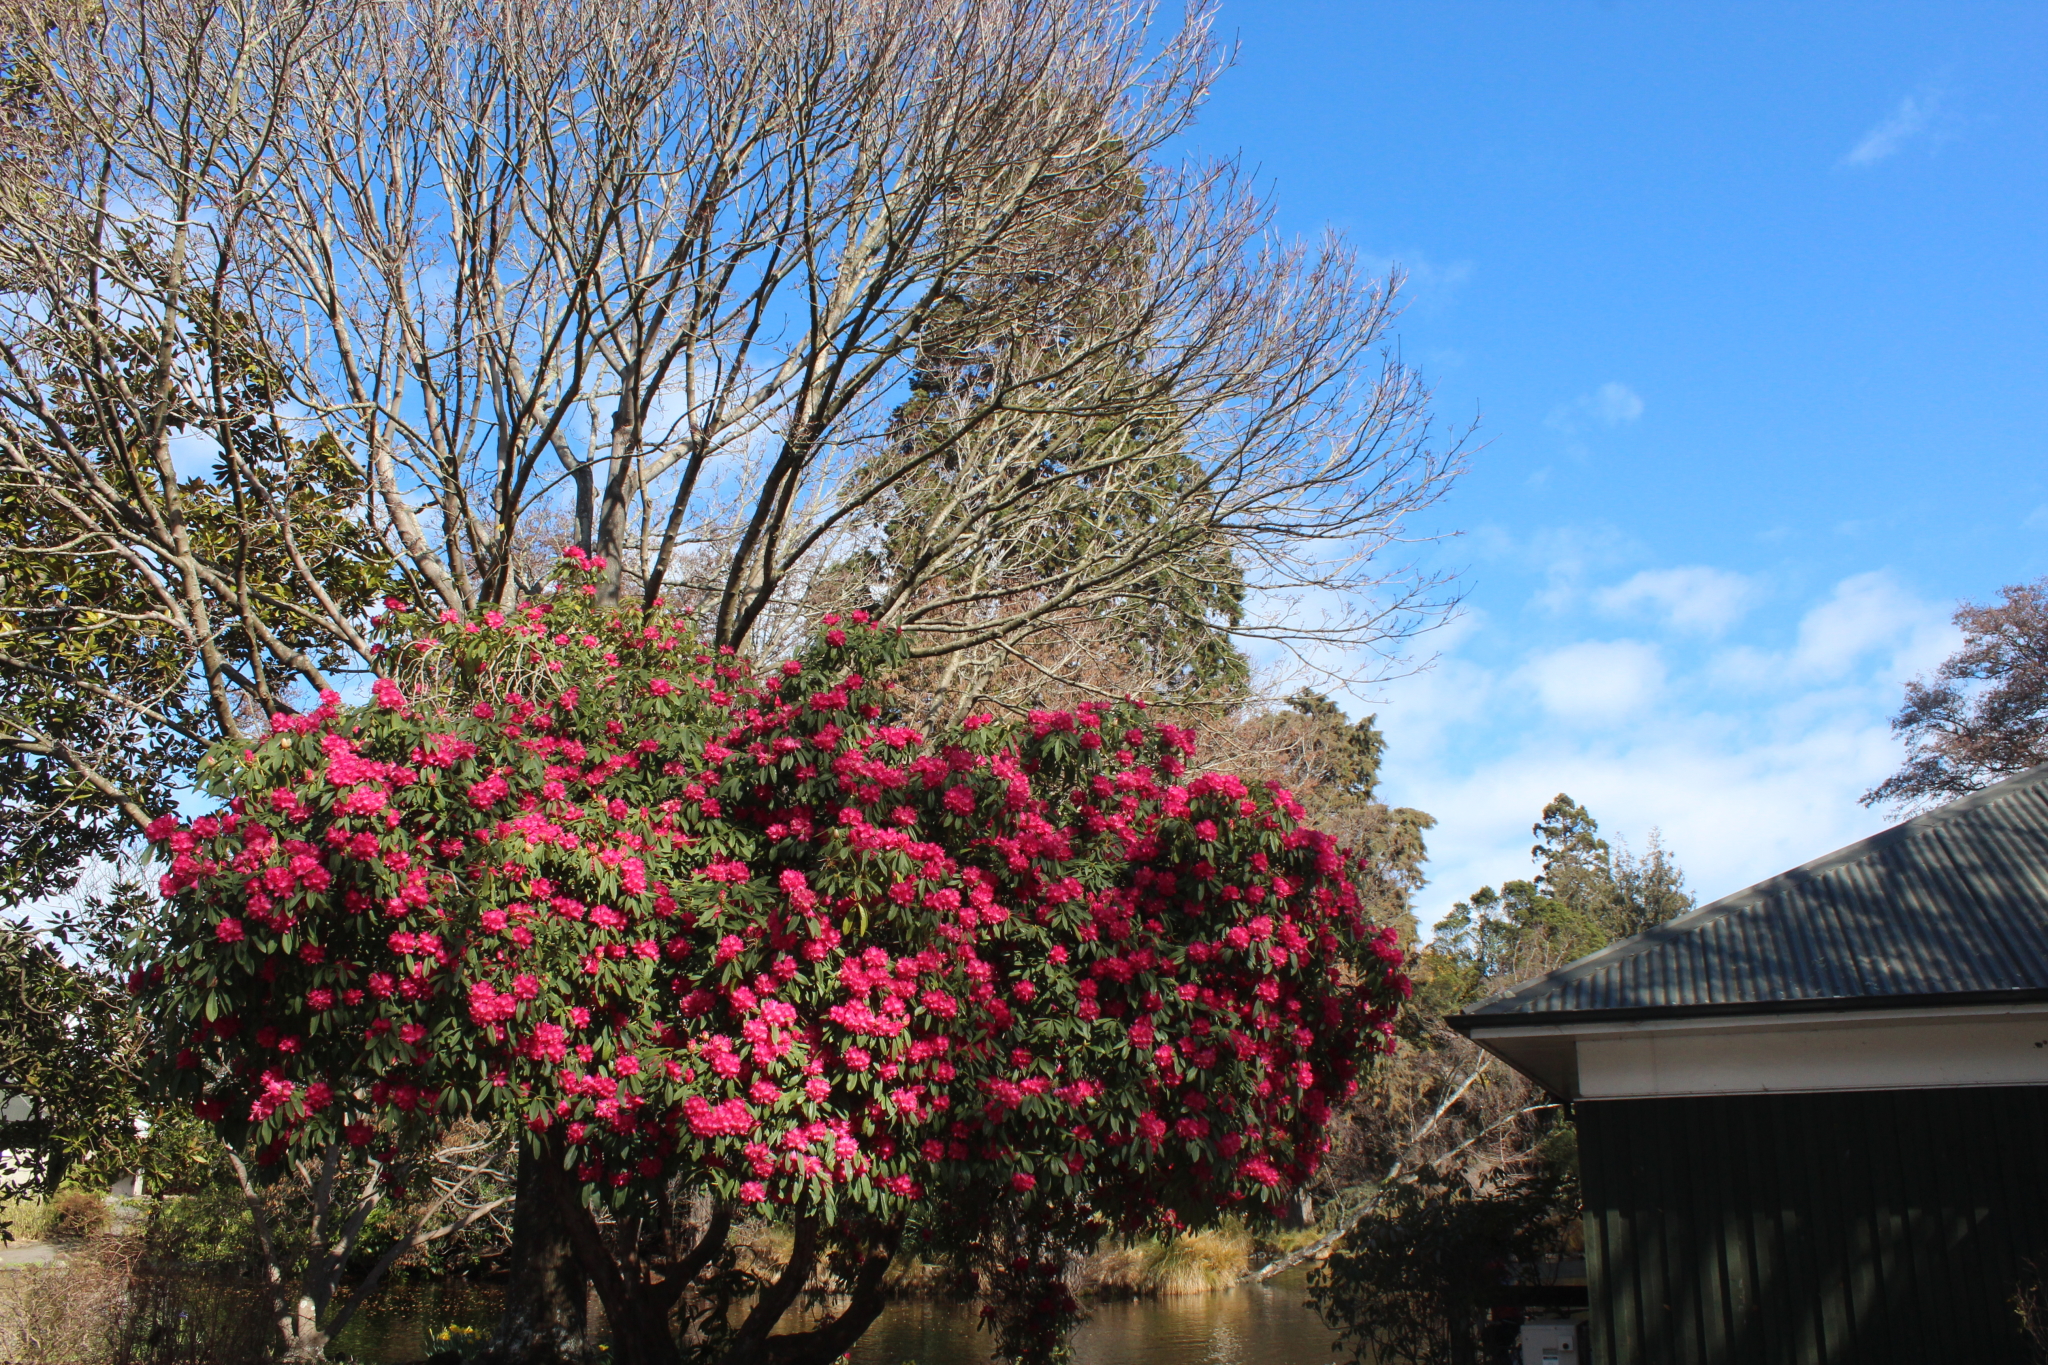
(1412, 1283)
(1583, 897)
(1333, 768)
(1138, 497)
(72, 1054)
(135, 624)
(207, 1226)
(69, 1052)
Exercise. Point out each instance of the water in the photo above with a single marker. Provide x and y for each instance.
(393, 1326)
(1263, 1324)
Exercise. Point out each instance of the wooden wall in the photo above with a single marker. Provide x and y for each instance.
(1858, 1228)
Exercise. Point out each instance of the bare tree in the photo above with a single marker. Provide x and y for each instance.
(781, 306)
(463, 1179)
(1984, 714)
(334, 283)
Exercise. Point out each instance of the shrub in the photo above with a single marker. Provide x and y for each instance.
(680, 917)
(209, 1227)
(73, 1216)
(105, 1310)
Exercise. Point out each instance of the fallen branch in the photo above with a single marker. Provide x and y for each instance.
(1316, 1249)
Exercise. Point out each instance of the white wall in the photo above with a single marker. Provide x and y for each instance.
(1789, 1053)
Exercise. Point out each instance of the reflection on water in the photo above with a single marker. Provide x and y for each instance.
(394, 1324)
(1251, 1325)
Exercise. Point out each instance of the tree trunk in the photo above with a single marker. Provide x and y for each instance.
(543, 1322)
(637, 1320)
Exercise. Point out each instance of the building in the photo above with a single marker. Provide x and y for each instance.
(1813, 1115)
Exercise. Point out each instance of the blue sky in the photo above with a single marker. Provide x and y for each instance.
(1751, 303)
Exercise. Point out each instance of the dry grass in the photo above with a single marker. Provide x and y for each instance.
(915, 1278)
(73, 1216)
(52, 1314)
(1192, 1263)
(761, 1249)
(100, 1309)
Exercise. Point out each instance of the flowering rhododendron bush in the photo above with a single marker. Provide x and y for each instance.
(738, 932)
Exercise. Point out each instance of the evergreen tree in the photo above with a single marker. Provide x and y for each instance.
(1584, 896)
(1332, 764)
(1058, 292)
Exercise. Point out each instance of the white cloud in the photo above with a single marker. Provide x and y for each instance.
(1913, 118)
(1567, 556)
(1869, 622)
(1696, 598)
(1425, 281)
(1732, 810)
(1613, 404)
(1866, 614)
(1749, 757)
(1597, 680)
(1448, 698)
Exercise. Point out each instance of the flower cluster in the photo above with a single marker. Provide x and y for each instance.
(680, 914)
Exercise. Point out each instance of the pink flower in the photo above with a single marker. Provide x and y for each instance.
(1023, 1182)
(229, 930)
(387, 694)
(754, 1192)
(725, 870)
(661, 687)
(489, 792)
(729, 1119)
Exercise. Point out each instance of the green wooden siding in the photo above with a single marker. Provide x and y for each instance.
(1848, 1229)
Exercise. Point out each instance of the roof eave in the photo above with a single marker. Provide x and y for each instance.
(1483, 1019)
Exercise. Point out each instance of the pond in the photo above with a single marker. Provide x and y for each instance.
(1264, 1324)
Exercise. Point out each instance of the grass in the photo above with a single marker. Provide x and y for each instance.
(99, 1308)
(1191, 1263)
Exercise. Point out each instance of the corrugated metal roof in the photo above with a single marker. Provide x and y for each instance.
(1950, 903)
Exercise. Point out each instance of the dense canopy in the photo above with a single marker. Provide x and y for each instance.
(689, 920)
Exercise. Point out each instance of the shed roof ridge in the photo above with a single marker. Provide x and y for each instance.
(1759, 894)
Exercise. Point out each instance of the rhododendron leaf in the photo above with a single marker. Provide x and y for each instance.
(1055, 884)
